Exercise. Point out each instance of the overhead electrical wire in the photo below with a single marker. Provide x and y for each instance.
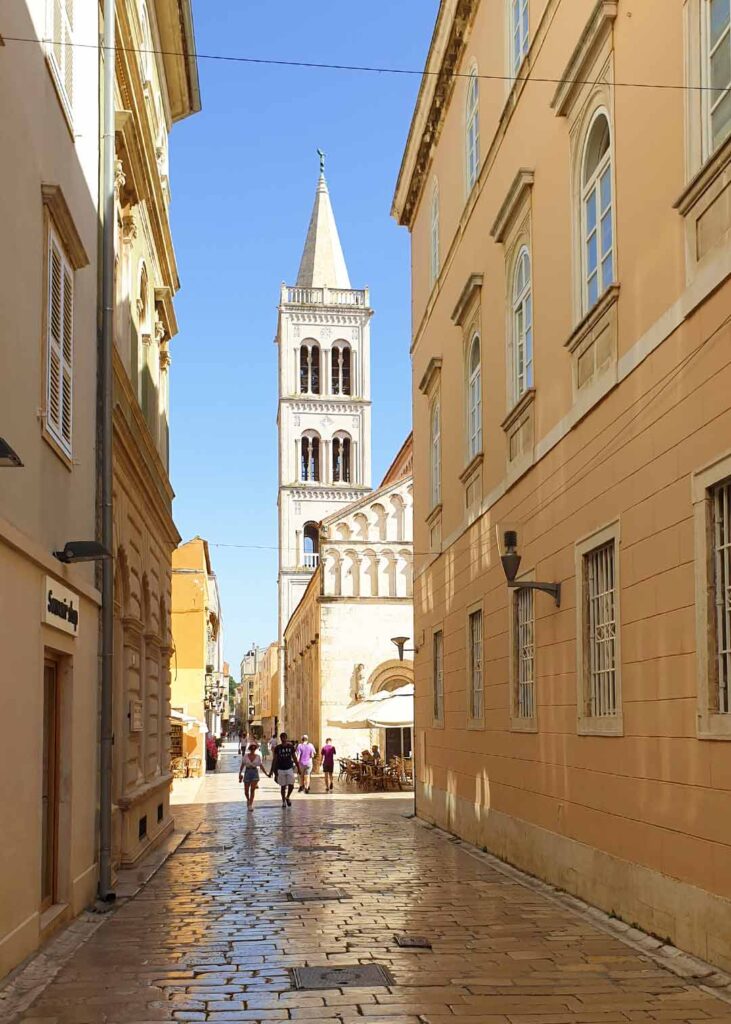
(367, 68)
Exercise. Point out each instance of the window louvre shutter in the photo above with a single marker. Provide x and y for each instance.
(68, 56)
(60, 346)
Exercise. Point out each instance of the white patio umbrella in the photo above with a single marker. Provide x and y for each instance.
(387, 709)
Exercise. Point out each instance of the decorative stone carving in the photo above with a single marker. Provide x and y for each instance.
(119, 178)
(359, 680)
(129, 228)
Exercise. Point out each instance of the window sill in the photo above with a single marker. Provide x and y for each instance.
(437, 723)
(434, 515)
(476, 724)
(56, 448)
(607, 726)
(523, 724)
(714, 726)
(712, 169)
(472, 466)
(591, 319)
(522, 405)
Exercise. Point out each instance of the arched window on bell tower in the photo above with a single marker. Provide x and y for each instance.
(341, 447)
(311, 539)
(341, 376)
(310, 457)
(309, 369)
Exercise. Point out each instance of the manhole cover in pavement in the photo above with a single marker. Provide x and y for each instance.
(341, 977)
(413, 941)
(321, 893)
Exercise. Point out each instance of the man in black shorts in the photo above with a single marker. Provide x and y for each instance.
(284, 763)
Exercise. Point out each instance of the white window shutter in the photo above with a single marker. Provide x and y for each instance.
(68, 38)
(60, 345)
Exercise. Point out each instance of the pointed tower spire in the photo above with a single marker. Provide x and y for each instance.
(323, 263)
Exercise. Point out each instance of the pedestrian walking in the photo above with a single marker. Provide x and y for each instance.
(251, 765)
(273, 741)
(283, 767)
(327, 754)
(306, 756)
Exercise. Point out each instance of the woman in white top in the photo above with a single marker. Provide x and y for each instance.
(251, 765)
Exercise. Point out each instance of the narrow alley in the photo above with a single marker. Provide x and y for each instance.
(219, 932)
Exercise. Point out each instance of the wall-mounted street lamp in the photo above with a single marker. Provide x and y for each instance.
(82, 551)
(400, 642)
(8, 456)
(511, 563)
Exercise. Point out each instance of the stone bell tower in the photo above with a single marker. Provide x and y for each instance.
(324, 413)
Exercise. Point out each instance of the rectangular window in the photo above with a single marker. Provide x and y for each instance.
(438, 675)
(475, 664)
(59, 344)
(717, 72)
(519, 32)
(721, 498)
(600, 632)
(525, 705)
(60, 49)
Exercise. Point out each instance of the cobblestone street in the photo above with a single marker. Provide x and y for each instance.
(214, 934)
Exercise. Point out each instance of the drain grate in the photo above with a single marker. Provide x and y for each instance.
(413, 941)
(365, 975)
(317, 893)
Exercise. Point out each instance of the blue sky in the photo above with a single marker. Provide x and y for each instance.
(243, 174)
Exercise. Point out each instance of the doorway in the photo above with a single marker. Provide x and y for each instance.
(49, 810)
(398, 743)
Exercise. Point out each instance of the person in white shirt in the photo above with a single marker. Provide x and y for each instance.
(306, 756)
(251, 765)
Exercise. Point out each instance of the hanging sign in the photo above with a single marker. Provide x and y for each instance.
(60, 607)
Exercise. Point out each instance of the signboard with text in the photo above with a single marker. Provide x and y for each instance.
(60, 607)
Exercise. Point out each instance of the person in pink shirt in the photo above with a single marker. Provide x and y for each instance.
(327, 754)
(306, 756)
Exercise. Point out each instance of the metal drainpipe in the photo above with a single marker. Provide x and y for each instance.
(106, 888)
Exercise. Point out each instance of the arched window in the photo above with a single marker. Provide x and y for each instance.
(717, 72)
(596, 212)
(341, 446)
(474, 399)
(435, 233)
(341, 377)
(519, 39)
(146, 55)
(436, 454)
(310, 457)
(522, 334)
(311, 542)
(472, 130)
(310, 369)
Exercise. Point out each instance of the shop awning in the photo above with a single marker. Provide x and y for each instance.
(387, 709)
(189, 720)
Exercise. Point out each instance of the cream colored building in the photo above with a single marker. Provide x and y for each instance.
(196, 648)
(338, 643)
(157, 86)
(265, 691)
(48, 611)
(570, 255)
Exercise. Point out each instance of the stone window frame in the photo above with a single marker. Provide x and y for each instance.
(520, 723)
(467, 315)
(438, 720)
(434, 210)
(590, 725)
(517, 58)
(471, 115)
(474, 721)
(710, 724)
(430, 386)
(512, 228)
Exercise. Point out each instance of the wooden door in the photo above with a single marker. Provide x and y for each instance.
(49, 834)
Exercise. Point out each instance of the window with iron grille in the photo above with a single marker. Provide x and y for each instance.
(600, 633)
(525, 706)
(475, 664)
(438, 675)
(721, 497)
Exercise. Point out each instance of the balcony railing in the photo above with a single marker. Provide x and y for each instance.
(325, 296)
(312, 560)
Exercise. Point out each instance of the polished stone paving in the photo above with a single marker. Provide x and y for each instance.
(214, 934)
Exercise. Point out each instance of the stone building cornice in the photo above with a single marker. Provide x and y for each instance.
(445, 53)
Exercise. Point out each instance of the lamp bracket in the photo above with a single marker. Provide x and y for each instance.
(554, 589)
